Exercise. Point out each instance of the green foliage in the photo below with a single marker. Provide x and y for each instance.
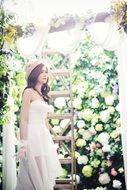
(95, 89)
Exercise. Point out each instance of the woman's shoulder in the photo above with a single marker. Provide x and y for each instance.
(28, 92)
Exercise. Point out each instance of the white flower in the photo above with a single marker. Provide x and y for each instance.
(100, 188)
(75, 176)
(80, 123)
(121, 170)
(60, 102)
(106, 148)
(77, 103)
(109, 100)
(111, 109)
(117, 184)
(77, 154)
(92, 130)
(86, 135)
(81, 131)
(64, 122)
(80, 142)
(104, 178)
(103, 138)
(57, 129)
(104, 116)
(87, 114)
(118, 107)
(95, 103)
(82, 159)
(92, 93)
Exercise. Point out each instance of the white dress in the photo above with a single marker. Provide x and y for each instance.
(39, 169)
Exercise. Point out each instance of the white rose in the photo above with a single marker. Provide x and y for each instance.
(60, 102)
(104, 116)
(104, 178)
(103, 138)
(109, 100)
(106, 148)
(82, 160)
(81, 124)
(95, 103)
(117, 184)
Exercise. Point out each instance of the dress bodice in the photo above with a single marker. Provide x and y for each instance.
(38, 111)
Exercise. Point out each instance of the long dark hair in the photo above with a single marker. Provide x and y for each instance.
(32, 81)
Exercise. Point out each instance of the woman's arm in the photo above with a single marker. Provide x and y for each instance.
(26, 98)
(24, 113)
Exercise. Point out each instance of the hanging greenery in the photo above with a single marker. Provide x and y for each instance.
(119, 10)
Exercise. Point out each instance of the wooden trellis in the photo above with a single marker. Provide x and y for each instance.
(62, 138)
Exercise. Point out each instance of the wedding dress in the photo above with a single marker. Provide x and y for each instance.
(39, 169)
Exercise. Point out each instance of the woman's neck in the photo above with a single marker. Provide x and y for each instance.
(38, 87)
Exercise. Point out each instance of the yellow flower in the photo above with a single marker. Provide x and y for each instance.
(64, 173)
(95, 163)
(87, 171)
(80, 142)
(114, 134)
(10, 34)
(99, 127)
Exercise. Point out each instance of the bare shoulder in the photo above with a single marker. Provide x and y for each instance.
(28, 93)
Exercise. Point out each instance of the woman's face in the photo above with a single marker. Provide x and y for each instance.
(43, 77)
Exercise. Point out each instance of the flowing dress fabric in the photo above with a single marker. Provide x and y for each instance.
(39, 169)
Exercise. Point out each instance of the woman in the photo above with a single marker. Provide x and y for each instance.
(39, 163)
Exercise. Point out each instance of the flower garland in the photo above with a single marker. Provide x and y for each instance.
(119, 10)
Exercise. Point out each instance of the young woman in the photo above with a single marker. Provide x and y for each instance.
(39, 163)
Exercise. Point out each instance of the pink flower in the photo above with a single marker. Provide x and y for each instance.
(92, 146)
(113, 172)
(98, 145)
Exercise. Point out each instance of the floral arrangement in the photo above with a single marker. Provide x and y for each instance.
(119, 10)
(83, 19)
(97, 119)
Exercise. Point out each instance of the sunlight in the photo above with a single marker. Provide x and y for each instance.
(39, 13)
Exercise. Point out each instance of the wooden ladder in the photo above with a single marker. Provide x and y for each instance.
(61, 138)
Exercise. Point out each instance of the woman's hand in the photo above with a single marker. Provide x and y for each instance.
(20, 154)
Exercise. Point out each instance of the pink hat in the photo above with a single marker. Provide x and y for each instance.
(30, 66)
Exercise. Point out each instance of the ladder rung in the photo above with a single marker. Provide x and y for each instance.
(66, 161)
(65, 93)
(62, 72)
(65, 181)
(62, 138)
(59, 115)
(63, 186)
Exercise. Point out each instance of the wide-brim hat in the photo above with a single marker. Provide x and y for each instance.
(30, 66)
